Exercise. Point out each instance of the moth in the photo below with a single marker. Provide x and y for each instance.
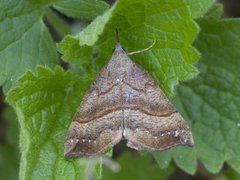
(124, 102)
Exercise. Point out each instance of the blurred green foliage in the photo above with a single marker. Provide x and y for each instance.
(9, 153)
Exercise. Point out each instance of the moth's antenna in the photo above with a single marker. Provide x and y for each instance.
(142, 50)
(117, 38)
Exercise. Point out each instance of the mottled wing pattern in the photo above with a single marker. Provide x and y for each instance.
(97, 125)
(94, 137)
(155, 133)
(150, 120)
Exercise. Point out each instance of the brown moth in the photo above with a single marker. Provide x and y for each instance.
(125, 102)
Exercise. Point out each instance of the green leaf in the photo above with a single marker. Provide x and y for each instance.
(235, 161)
(179, 155)
(72, 53)
(25, 41)
(137, 167)
(169, 23)
(45, 104)
(211, 102)
(215, 12)
(199, 8)
(57, 23)
(78, 48)
(82, 9)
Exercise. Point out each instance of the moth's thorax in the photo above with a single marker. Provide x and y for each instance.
(121, 62)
